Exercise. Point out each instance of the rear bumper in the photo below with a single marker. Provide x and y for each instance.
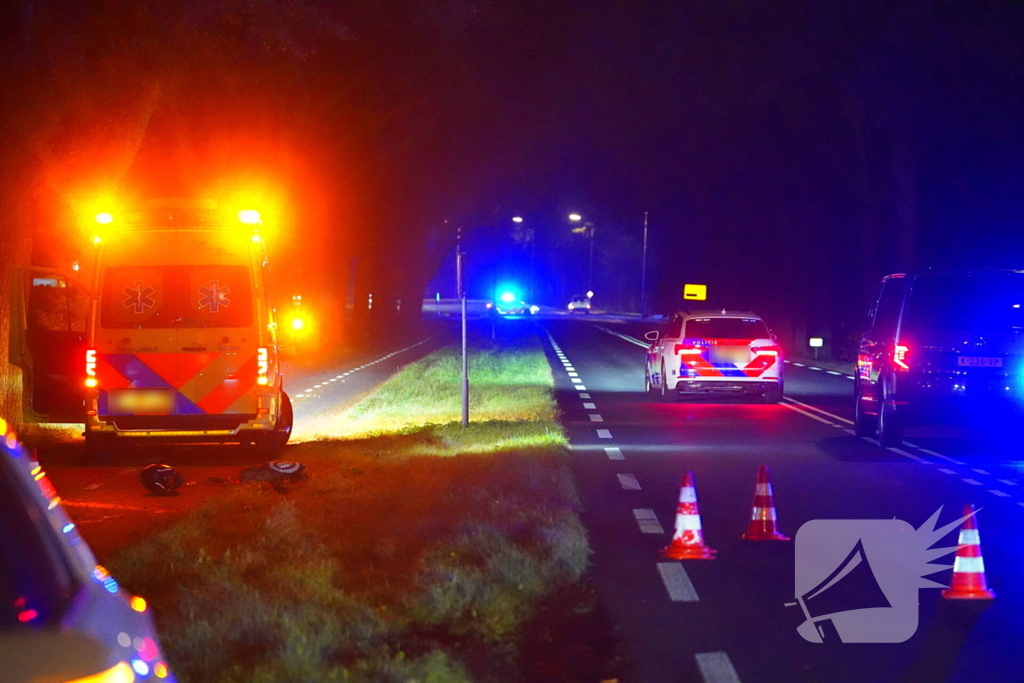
(726, 385)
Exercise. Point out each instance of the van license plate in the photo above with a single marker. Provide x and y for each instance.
(979, 362)
(140, 402)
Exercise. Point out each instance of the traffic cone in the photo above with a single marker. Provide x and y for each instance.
(968, 567)
(763, 521)
(688, 540)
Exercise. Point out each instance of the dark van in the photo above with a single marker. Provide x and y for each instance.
(941, 344)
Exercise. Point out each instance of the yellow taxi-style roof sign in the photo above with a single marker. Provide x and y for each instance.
(695, 292)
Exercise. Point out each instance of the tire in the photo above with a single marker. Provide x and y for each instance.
(648, 386)
(283, 428)
(773, 395)
(863, 425)
(889, 429)
(667, 395)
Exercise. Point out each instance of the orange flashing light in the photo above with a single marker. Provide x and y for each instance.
(160, 670)
(297, 324)
(138, 603)
(104, 218)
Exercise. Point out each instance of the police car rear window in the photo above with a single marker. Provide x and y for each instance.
(171, 297)
(726, 328)
(980, 302)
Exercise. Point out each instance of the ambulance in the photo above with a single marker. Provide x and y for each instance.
(176, 342)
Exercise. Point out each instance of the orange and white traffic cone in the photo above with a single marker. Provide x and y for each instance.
(763, 521)
(968, 567)
(688, 540)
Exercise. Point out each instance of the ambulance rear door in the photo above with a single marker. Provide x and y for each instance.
(49, 336)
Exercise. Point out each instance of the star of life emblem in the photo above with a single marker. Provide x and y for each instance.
(139, 298)
(215, 296)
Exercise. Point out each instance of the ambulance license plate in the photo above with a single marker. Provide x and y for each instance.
(140, 402)
(979, 362)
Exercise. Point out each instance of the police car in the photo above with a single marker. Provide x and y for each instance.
(63, 617)
(714, 352)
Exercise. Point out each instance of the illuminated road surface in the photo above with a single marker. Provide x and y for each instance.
(727, 619)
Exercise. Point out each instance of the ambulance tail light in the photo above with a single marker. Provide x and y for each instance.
(91, 380)
(772, 350)
(899, 358)
(263, 366)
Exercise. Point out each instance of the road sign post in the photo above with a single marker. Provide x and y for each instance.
(465, 358)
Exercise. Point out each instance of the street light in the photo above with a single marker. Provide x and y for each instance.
(587, 229)
(517, 219)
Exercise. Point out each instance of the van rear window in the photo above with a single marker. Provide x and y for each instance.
(169, 297)
(962, 301)
(726, 328)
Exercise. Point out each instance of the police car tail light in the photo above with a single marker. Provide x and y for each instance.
(263, 366)
(899, 357)
(772, 350)
(687, 349)
(91, 380)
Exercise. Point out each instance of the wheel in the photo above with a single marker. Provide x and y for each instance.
(889, 429)
(283, 428)
(773, 395)
(667, 395)
(863, 424)
(648, 386)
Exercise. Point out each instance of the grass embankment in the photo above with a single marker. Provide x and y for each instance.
(414, 551)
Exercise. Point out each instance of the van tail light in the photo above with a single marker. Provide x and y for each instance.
(263, 366)
(772, 350)
(899, 358)
(91, 380)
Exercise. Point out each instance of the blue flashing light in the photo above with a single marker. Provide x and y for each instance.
(68, 527)
(507, 297)
(140, 667)
(110, 584)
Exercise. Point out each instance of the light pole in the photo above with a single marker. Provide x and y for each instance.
(587, 229)
(643, 274)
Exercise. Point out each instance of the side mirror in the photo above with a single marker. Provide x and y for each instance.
(652, 335)
(774, 336)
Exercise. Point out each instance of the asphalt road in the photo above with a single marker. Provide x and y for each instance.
(726, 619)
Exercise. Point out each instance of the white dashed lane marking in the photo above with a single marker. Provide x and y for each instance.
(648, 521)
(628, 482)
(590, 406)
(584, 395)
(973, 482)
(596, 418)
(910, 455)
(604, 434)
(677, 583)
(997, 492)
(715, 667)
(946, 470)
(614, 453)
(1008, 482)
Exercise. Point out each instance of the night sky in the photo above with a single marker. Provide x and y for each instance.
(788, 154)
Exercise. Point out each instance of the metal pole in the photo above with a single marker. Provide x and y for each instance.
(590, 274)
(465, 358)
(643, 274)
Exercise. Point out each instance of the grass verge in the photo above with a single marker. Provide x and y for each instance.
(414, 552)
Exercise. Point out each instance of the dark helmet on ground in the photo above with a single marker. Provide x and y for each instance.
(160, 478)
